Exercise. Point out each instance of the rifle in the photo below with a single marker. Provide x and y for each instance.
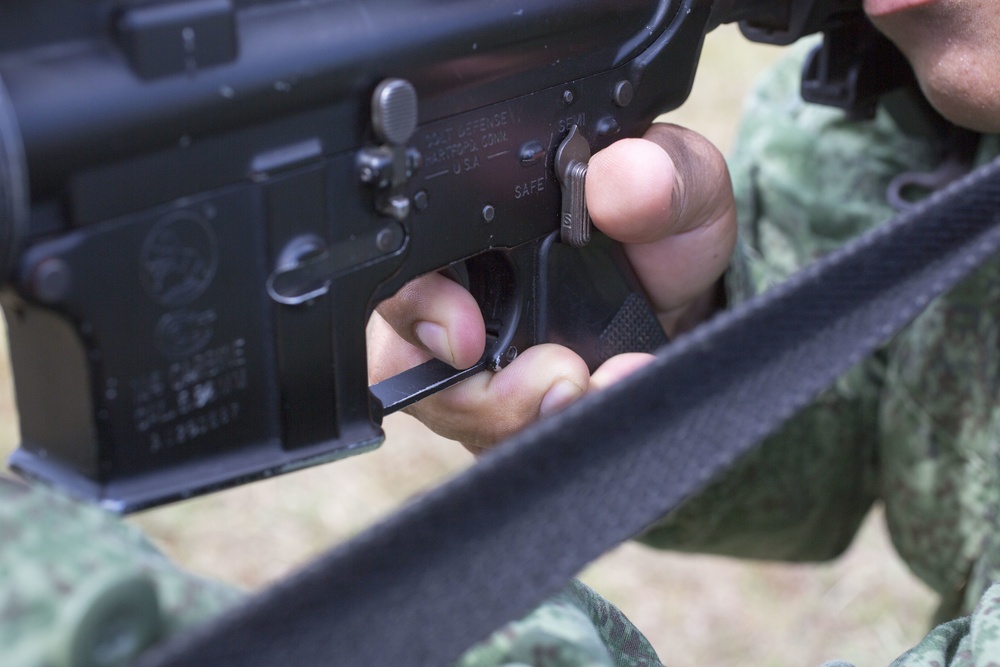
(202, 201)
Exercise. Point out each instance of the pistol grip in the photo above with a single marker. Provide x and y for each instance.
(590, 300)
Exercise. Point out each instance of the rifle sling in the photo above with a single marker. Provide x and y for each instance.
(488, 546)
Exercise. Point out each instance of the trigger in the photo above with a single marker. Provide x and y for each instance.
(571, 169)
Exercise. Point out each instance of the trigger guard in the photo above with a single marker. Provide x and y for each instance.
(494, 284)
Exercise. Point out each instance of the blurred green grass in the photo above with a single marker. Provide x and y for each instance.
(696, 610)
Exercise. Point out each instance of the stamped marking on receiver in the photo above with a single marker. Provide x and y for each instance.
(178, 259)
(455, 148)
(190, 397)
(181, 333)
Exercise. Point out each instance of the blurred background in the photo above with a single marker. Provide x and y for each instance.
(865, 608)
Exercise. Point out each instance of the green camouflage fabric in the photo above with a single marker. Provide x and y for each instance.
(577, 628)
(914, 427)
(972, 641)
(80, 588)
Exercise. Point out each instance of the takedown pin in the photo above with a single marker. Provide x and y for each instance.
(571, 169)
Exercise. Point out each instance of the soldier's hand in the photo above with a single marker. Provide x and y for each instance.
(666, 197)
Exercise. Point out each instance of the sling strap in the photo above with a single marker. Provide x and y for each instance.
(491, 544)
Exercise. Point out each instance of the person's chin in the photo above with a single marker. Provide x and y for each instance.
(971, 110)
(961, 88)
(955, 66)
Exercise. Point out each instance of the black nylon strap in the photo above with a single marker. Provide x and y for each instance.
(487, 547)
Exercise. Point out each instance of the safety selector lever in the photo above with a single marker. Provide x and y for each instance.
(571, 169)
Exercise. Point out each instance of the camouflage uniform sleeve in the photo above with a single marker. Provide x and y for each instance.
(971, 641)
(806, 181)
(80, 588)
(914, 426)
(577, 628)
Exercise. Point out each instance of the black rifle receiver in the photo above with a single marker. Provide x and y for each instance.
(201, 202)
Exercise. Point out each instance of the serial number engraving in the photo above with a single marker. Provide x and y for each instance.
(191, 397)
(198, 425)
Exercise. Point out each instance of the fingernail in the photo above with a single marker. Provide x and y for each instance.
(435, 338)
(559, 395)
